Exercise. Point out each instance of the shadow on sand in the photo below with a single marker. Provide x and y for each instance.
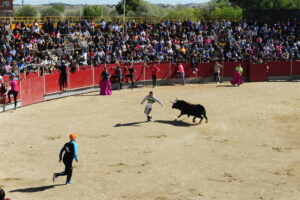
(36, 189)
(176, 123)
(226, 85)
(130, 124)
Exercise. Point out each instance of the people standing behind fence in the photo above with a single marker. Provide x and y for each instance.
(217, 71)
(180, 72)
(2, 195)
(118, 76)
(237, 76)
(63, 79)
(130, 75)
(154, 71)
(14, 89)
(3, 90)
(105, 85)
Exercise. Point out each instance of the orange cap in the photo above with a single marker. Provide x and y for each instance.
(73, 136)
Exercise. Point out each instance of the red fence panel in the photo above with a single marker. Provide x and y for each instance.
(205, 69)
(52, 83)
(188, 70)
(32, 90)
(139, 71)
(279, 68)
(81, 79)
(296, 67)
(258, 72)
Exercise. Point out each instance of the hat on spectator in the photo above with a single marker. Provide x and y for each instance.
(73, 136)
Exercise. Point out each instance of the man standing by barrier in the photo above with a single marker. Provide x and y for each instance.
(150, 100)
(180, 72)
(130, 75)
(217, 70)
(14, 89)
(119, 76)
(70, 152)
(154, 71)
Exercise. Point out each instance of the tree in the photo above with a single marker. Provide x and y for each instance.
(266, 4)
(27, 11)
(222, 8)
(130, 5)
(50, 12)
(92, 11)
(58, 6)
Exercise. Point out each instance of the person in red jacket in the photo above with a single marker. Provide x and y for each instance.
(154, 71)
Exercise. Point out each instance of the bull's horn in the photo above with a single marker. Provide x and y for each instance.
(176, 98)
(172, 101)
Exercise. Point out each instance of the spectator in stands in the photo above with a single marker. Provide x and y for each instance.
(2, 195)
(217, 71)
(237, 76)
(105, 85)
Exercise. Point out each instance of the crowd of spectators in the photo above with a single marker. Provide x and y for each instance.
(88, 42)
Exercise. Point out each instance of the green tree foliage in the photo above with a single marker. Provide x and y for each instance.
(222, 8)
(184, 13)
(130, 5)
(27, 10)
(267, 4)
(50, 12)
(72, 13)
(140, 8)
(94, 11)
(58, 6)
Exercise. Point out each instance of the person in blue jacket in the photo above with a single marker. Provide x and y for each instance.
(70, 152)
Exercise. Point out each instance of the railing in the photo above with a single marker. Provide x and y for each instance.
(74, 19)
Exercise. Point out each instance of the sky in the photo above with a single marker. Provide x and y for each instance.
(111, 2)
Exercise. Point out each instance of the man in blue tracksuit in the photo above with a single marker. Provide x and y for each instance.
(70, 152)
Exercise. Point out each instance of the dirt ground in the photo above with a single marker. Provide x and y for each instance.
(248, 150)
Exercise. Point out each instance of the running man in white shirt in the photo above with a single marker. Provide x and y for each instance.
(150, 100)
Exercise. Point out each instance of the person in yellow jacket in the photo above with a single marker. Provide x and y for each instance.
(237, 76)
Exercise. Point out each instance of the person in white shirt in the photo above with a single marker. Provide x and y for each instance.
(150, 100)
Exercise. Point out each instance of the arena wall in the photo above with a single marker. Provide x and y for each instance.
(35, 87)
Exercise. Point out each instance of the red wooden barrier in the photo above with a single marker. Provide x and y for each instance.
(205, 69)
(296, 67)
(32, 89)
(81, 79)
(52, 83)
(258, 72)
(279, 68)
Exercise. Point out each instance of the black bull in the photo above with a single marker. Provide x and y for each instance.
(198, 111)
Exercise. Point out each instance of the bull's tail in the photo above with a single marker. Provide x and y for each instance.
(204, 115)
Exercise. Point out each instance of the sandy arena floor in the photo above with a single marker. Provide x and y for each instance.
(249, 150)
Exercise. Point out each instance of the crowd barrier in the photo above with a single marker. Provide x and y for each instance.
(35, 86)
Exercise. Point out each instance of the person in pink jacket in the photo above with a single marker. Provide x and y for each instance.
(180, 72)
(13, 82)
